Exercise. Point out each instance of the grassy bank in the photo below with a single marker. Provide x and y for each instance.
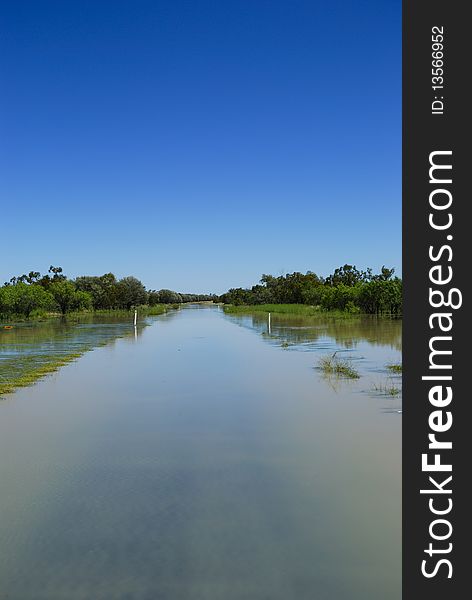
(143, 311)
(288, 310)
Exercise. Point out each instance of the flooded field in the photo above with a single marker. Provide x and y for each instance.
(203, 457)
(28, 347)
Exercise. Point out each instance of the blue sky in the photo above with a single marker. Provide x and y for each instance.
(198, 144)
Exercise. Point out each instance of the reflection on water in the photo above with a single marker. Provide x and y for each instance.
(369, 344)
(311, 333)
(62, 335)
(201, 463)
(29, 345)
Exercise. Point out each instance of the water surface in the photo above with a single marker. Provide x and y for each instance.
(202, 460)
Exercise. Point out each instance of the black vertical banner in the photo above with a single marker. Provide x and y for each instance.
(437, 426)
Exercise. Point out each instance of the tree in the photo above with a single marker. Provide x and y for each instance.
(153, 297)
(347, 289)
(169, 297)
(103, 290)
(130, 292)
(7, 299)
(33, 276)
(68, 298)
(237, 296)
(347, 275)
(57, 275)
(23, 299)
(384, 275)
(82, 301)
(381, 296)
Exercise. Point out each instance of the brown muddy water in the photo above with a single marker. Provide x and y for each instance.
(207, 459)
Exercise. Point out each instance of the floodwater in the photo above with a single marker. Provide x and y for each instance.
(206, 459)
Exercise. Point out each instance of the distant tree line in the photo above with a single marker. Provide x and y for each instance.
(170, 297)
(347, 289)
(54, 292)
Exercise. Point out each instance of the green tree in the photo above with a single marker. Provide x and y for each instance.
(103, 290)
(82, 301)
(68, 298)
(347, 275)
(381, 296)
(130, 292)
(7, 299)
(23, 299)
(169, 297)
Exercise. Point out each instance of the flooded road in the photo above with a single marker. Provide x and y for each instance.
(206, 459)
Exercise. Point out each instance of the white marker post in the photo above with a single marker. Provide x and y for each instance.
(135, 317)
(269, 325)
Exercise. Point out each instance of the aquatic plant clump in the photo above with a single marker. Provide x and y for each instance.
(333, 365)
(387, 389)
(395, 368)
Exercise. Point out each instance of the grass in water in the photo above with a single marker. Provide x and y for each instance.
(387, 389)
(31, 373)
(288, 310)
(395, 368)
(41, 315)
(143, 311)
(333, 365)
(29, 352)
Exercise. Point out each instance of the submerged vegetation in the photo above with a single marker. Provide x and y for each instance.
(30, 371)
(392, 384)
(347, 290)
(31, 350)
(387, 388)
(334, 366)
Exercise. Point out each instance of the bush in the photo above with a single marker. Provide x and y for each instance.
(23, 299)
(348, 289)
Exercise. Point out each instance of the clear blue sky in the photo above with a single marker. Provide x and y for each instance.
(198, 144)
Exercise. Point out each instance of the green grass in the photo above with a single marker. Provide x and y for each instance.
(41, 316)
(143, 311)
(158, 309)
(296, 310)
(28, 372)
(387, 388)
(333, 365)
